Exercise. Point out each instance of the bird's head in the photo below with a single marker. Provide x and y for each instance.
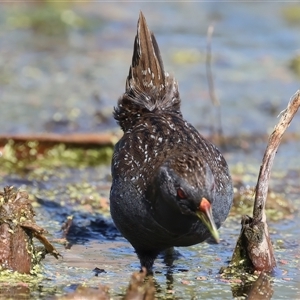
(188, 186)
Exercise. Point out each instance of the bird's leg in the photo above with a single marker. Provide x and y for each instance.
(147, 259)
(169, 256)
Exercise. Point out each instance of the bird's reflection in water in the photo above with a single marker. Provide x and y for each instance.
(167, 288)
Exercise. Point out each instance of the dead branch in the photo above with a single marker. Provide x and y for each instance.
(210, 82)
(209, 75)
(254, 250)
(86, 139)
(261, 190)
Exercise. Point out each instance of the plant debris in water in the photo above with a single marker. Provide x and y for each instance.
(17, 229)
(277, 206)
(89, 293)
(17, 156)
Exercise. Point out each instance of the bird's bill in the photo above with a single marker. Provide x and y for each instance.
(204, 213)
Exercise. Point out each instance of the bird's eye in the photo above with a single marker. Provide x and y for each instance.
(181, 194)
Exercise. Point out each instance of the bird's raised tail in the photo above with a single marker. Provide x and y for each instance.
(148, 87)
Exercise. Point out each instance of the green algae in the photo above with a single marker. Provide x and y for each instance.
(291, 14)
(18, 157)
(278, 207)
(294, 63)
(49, 18)
(10, 277)
(65, 168)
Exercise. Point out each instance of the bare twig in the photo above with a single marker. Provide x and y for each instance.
(265, 169)
(254, 250)
(209, 75)
(210, 81)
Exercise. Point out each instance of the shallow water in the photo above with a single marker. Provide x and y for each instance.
(70, 83)
(195, 274)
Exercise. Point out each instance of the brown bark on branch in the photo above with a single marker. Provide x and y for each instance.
(261, 190)
(254, 250)
(17, 229)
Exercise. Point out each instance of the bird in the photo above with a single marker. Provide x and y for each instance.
(171, 187)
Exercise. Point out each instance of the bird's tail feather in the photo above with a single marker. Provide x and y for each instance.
(148, 87)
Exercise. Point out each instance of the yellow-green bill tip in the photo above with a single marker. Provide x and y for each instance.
(204, 213)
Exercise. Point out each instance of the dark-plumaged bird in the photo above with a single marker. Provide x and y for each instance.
(170, 186)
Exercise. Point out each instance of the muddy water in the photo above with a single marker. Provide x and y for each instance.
(69, 80)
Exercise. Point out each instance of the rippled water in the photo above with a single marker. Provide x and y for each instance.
(70, 83)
